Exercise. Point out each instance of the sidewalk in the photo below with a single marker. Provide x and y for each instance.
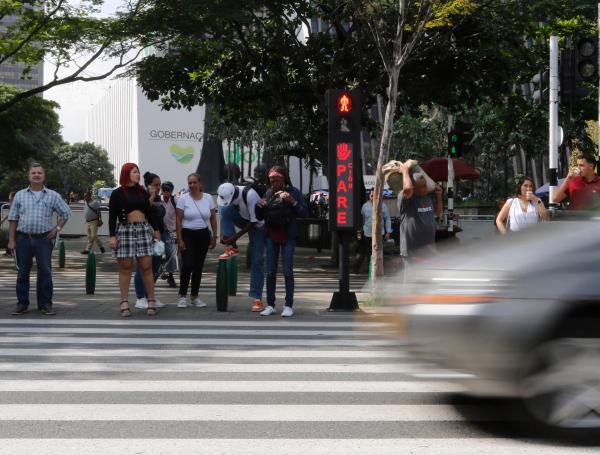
(315, 284)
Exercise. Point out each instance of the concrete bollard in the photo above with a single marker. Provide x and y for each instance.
(232, 276)
(61, 254)
(90, 274)
(222, 293)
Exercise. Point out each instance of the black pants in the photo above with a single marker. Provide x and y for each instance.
(192, 258)
(364, 251)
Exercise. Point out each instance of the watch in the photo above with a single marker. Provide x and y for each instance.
(58, 228)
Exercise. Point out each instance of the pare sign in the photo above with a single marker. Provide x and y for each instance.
(344, 186)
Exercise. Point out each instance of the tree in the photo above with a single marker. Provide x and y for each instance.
(397, 29)
(79, 165)
(68, 34)
(28, 131)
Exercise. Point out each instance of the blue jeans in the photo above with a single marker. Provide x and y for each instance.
(41, 248)
(230, 219)
(167, 237)
(140, 290)
(287, 257)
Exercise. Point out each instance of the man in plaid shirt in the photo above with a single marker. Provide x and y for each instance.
(31, 234)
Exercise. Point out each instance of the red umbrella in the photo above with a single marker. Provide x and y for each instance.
(437, 169)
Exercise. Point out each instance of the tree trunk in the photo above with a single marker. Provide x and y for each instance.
(384, 151)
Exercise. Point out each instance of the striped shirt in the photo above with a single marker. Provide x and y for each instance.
(34, 214)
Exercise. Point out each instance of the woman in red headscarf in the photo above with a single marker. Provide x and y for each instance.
(133, 237)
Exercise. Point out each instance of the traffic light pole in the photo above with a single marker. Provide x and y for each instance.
(599, 82)
(553, 127)
(450, 188)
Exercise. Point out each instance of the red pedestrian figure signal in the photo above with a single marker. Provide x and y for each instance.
(344, 103)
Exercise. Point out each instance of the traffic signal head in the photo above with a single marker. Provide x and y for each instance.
(454, 147)
(586, 54)
(541, 83)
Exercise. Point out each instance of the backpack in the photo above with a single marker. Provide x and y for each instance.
(260, 188)
(278, 212)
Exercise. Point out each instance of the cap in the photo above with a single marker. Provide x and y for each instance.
(167, 186)
(225, 194)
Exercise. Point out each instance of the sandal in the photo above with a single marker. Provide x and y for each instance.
(125, 312)
(151, 311)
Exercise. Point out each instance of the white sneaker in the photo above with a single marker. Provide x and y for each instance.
(287, 312)
(182, 302)
(142, 303)
(198, 303)
(268, 311)
(159, 304)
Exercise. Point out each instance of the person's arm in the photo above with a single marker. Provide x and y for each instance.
(297, 201)
(387, 221)
(407, 183)
(178, 228)
(12, 235)
(213, 227)
(501, 218)
(113, 210)
(561, 193)
(542, 211)
(64, 212)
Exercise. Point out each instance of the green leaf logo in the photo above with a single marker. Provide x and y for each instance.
(182, 154)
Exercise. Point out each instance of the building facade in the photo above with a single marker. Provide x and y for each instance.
(12, 73)
(133, 129)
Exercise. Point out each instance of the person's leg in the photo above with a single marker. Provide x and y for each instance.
(167, 238)
(25, 261)
(90, 236)
(228, 215)
(125, 268)
(42, 248)
(95, 238)
(288, 270)
(369, 249)
(257, 270)
(187, 262)
(272, 249)
(145, 269)
(140, 291)
(201, 246)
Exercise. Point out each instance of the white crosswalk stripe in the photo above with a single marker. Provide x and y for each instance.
(159, 386)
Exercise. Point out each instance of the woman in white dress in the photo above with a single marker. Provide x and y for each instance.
(522, 211)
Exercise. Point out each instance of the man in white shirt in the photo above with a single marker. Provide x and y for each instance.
(237, 208)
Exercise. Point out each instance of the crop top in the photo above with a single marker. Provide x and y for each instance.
(122, 203)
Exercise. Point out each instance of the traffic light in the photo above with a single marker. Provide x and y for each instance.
(541, 83)
(578, 67)
(460, 139)
(586, 60)
(344, 115)
(454, 145)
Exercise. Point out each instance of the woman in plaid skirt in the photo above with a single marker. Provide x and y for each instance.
(133, 237)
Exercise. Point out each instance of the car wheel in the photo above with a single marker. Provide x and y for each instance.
(562, 389)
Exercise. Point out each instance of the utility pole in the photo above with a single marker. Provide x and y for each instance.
(450, 188)
(553, 127)
(599, 82)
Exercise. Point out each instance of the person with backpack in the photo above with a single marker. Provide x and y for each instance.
(170, 204)
(238, 207)
(283, 204)
(93, 220)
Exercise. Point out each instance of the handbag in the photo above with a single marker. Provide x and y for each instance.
(99, 213)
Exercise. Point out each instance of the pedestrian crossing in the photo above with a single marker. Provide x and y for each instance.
(163, 386)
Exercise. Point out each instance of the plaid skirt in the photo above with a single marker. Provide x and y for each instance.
(134, 240)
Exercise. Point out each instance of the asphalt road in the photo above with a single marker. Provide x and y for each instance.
(156, 386)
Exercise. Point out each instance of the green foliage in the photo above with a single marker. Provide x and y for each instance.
(80, 165)
(99, 184)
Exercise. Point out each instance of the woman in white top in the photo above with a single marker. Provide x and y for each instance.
(523, 210)
(195, 210)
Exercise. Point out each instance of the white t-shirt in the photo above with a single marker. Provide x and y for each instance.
(248, 211)
(196, 212)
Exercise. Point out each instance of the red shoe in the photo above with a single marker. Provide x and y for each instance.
(229, 252)
(257, 305)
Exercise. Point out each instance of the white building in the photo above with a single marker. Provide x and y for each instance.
(133, 129)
